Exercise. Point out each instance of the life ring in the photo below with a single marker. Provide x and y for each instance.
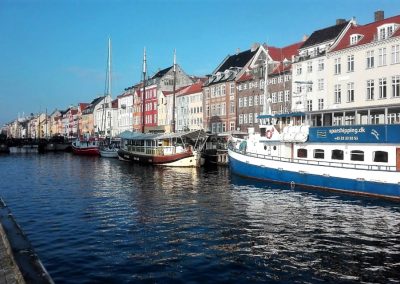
(269, 133)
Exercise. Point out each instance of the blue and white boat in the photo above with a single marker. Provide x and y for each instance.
(361, 159)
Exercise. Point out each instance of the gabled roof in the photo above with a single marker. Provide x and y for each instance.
(237, 60)
(324, 35)
(167, 93)
(367, 32)
(161, 73)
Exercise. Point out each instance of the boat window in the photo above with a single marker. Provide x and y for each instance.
(381, 156)
(337, 154)
(302, 153)
(319, 154)
(357, 155)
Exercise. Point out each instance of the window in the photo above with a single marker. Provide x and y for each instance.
(232, 126)
(245, 102)
(380, 156)
(245, 118)
(385, 31)
(298, 69)
(232, 108)
(382, 88)
(319, 154)
(250, 101)
(396, 86)
(309, 66)
(338, 94)
(354, 39)
(250, 118)
(280, 79)
(240, 102)
(357, 155)
(320, 84)
(309, 105)
(223, 91)
(370, 59)
(337, 66)
(370, 89)
(382, 56)
(350, 63)
(301, 153)
(320, 104)
(287, 94)
(350, 92)
(255, 118)
(240, 118)
(280, 96)
(337, 155)
(320, 64)
(232, 89)
(273, 97)
(395, 54)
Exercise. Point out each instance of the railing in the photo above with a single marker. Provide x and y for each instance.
(159, 151)
(318, 163)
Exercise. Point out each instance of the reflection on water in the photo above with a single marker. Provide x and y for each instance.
(99, 220)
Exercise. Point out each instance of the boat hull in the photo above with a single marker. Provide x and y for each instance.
(185, 159)
(345, 180)
(87, 151)
(109, 153)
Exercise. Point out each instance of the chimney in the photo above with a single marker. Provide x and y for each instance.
(340, 21)
(305, 37)
(237, 51)
(379, 15)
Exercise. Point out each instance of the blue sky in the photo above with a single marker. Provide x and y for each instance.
(53, 53)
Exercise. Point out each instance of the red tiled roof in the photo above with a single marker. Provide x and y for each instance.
(368, 33)
(245, 77)
(279, 54)
(82, 106)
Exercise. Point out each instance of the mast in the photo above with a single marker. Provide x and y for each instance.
(107, 89)
(144, 88)
(173, 94)
(266, 105)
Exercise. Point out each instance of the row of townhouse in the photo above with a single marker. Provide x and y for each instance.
(343, 74)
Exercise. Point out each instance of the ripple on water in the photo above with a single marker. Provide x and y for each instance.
(97, 220)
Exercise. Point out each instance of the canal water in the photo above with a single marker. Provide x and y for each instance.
(94, 220)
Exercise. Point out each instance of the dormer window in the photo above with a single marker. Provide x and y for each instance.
(386, 31)
(354, 39)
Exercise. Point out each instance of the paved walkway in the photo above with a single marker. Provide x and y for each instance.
(9, 272)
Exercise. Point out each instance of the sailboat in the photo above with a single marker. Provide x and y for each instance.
(108, 148)
(169, 149)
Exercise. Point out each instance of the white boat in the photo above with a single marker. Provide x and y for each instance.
(361, 159)
(110, 150)
(173, 149)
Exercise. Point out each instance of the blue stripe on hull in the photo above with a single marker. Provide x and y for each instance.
(342, 184)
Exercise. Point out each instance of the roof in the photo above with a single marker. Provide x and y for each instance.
(245, 77)
(324, 35)
(368, 33)
(161, 73)
(237, 60)
(192, 89)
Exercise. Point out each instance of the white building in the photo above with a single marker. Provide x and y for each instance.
(189, 108)
(309, 71)
(125, 111)
(364, 74)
